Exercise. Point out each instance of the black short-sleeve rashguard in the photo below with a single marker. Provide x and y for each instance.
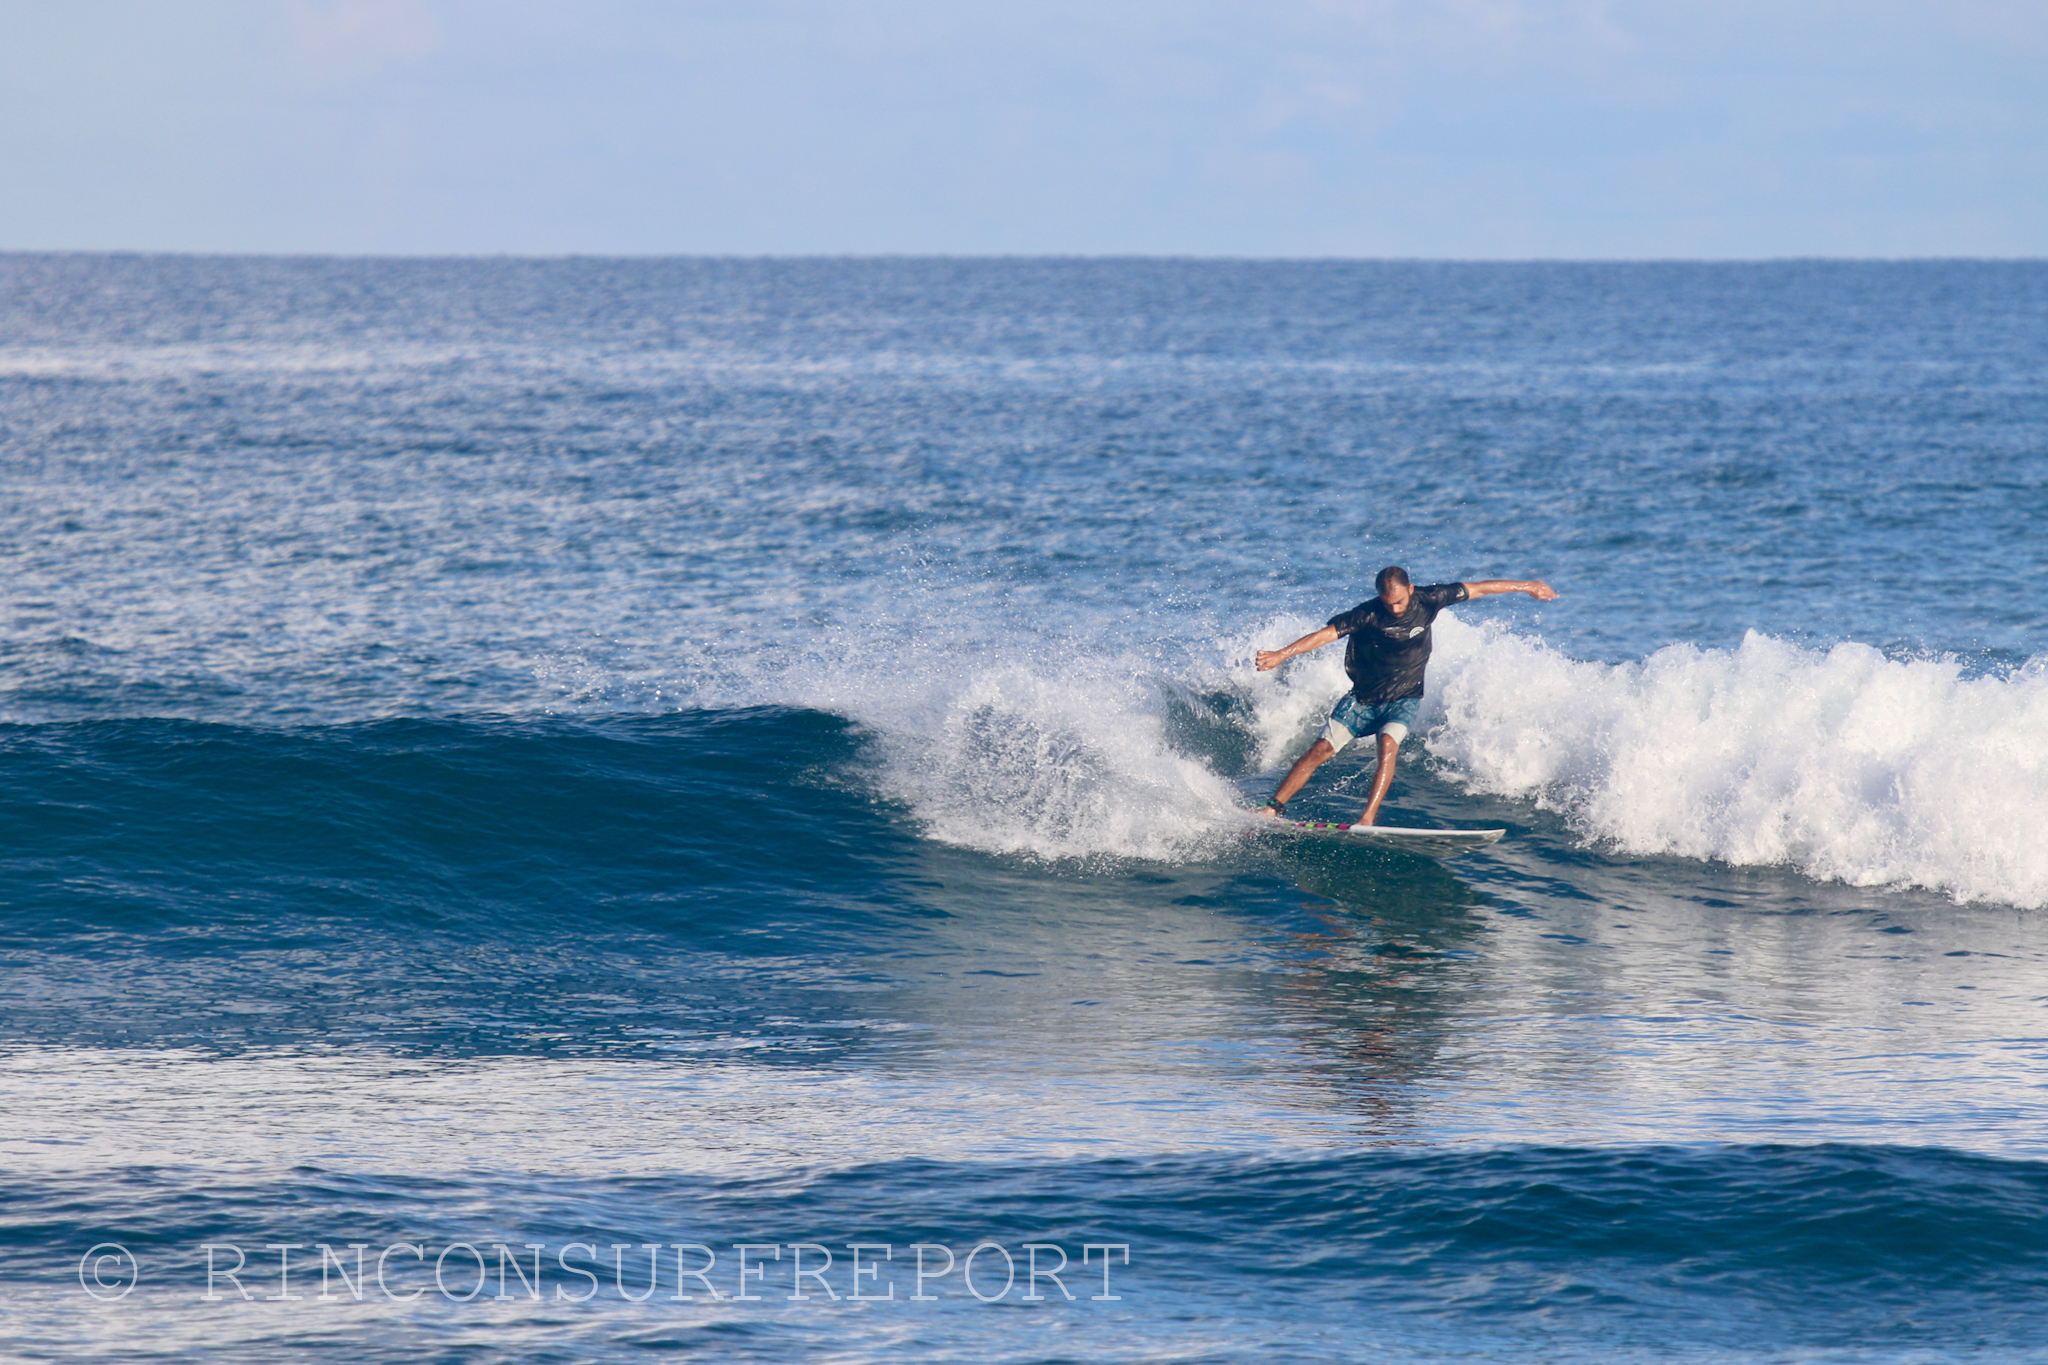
(1386, 654)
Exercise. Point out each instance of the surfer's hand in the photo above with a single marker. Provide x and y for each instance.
(1270, 659)
(1542, 592)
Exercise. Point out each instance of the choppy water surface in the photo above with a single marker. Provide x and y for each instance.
(646, 758)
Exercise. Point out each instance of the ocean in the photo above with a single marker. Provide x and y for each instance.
(586, 809)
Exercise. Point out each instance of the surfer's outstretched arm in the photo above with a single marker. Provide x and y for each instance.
(1269, 659)
(1490, 587)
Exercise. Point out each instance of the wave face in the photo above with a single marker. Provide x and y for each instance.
(258, 887)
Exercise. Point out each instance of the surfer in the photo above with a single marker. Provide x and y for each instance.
(1388, 651)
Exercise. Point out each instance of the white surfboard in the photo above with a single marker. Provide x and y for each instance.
(1438, 843)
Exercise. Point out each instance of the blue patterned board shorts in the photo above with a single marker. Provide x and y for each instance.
(1353, 719)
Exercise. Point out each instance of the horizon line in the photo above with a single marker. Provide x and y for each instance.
(1000, 256)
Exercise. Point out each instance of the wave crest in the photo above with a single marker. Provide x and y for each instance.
(1841, 763)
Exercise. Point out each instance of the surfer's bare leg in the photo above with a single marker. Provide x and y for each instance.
(1381, 780)
(1304, 767)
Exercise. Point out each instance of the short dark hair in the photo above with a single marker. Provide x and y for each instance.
(1390, 576)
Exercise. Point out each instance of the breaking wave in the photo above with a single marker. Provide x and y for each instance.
(1842, 763)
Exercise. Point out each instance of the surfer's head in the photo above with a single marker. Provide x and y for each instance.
(1394, 588)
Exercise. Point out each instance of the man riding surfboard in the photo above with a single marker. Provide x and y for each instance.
(1388, 649)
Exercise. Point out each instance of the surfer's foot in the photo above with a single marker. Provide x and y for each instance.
(1276, 810)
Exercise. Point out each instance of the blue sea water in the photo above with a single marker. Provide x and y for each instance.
(529, 767)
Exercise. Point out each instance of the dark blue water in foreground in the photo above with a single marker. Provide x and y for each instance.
(523, 774)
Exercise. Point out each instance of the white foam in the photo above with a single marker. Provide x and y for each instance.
(1841, 763)
(1063, 761)
(1288, 705)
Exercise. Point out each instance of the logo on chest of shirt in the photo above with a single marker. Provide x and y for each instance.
(1402, 632)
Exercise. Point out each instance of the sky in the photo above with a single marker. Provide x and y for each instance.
(1464, 129)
